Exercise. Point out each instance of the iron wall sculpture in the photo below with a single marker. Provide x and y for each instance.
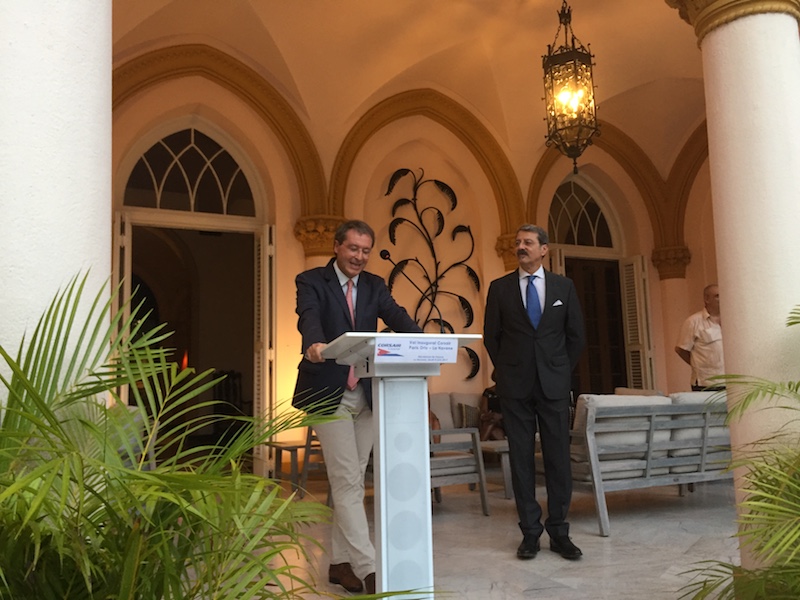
(427, 221)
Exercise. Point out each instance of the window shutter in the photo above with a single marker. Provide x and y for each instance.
(636, 315)
(263, 345)
(121, 274)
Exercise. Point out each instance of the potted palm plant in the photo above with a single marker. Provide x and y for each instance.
(104, 501)
(770, 511)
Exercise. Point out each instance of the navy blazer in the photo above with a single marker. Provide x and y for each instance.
(521, 353)
(323, 316)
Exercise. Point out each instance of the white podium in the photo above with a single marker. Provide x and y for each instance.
(399, 365)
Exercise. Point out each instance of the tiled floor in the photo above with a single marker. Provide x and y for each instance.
(656, 536)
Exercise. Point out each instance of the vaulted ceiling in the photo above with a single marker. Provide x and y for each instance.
(334, 59)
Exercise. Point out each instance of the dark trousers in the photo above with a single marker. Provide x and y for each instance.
(520, 418)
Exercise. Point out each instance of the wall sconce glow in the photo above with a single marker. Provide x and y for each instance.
(569, 92)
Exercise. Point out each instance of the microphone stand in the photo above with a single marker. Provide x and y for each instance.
(384, 254)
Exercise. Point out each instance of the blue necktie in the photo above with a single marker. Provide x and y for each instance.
(532, 299)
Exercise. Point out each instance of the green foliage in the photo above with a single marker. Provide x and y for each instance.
(103, 501)
(770, 512)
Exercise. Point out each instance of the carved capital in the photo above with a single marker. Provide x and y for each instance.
(506, 250)
(316, 233)
(671, 261)
(706, 15)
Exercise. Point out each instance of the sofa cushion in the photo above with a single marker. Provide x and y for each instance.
(697, 397)
(612, 469)
(715, 461)
(719, 435)
(578, 448)
(440, 406)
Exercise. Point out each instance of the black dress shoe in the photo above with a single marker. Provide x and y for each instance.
(528, 549)
(563, 545)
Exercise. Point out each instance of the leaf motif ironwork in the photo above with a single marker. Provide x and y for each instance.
(428, 221)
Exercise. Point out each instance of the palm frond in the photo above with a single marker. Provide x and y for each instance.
(100, 500)
(744, 393)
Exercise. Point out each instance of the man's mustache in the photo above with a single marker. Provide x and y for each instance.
(522, 253)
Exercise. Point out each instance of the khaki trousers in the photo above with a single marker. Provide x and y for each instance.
(346, 447)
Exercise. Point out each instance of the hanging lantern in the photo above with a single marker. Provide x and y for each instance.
(569, 92)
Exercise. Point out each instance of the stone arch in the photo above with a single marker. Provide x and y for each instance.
(683, 173)
(665, 201)
(201, 60)
(450, 114)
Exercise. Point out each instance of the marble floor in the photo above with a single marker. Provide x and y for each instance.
(656, 537)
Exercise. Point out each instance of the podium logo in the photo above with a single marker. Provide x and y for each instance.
(385, 352)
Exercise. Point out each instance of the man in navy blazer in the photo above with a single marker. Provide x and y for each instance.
(325, 296)
(533, 364)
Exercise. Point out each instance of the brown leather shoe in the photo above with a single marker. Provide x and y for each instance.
(369, 583)
(344, 576)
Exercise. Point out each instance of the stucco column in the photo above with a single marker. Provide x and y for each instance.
(55, 188)
(752, 71)
(751, 66)
(676, 304)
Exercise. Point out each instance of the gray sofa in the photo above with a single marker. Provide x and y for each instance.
(623, 442)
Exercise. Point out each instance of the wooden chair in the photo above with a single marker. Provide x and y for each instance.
(312, 448)
(456, 460)
(298, 475)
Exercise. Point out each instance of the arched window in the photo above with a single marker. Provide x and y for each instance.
(576, 219)
(189, 171)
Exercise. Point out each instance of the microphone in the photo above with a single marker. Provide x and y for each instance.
(384, 254)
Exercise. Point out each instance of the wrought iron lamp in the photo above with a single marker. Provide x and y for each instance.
(569, 92)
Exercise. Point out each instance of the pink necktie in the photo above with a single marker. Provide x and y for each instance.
(352, 380)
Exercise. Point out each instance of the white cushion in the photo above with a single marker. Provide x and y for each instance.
(611, 469)
(697, 397)
(440, 406)
(715, 461)
(690, 433)
(578, 449)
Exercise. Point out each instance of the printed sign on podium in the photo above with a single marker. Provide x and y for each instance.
(399, 365)
(416, 350)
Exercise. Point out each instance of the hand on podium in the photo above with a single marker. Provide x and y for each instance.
(314, 352)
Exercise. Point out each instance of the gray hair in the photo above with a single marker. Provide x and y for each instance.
(540, 233)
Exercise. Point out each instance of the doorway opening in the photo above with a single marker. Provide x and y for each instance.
(201, 284)
(612, 290)
(602, 366)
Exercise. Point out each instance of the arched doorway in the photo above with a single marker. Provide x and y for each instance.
(612, 290)
(187, 228)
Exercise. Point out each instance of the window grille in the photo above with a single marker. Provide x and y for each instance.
(189, 171)
(576, 219)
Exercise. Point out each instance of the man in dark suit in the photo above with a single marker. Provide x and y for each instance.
(533, 331)
(332, 300)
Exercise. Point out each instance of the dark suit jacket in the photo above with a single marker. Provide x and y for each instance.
(521, 353)
(323, 316)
